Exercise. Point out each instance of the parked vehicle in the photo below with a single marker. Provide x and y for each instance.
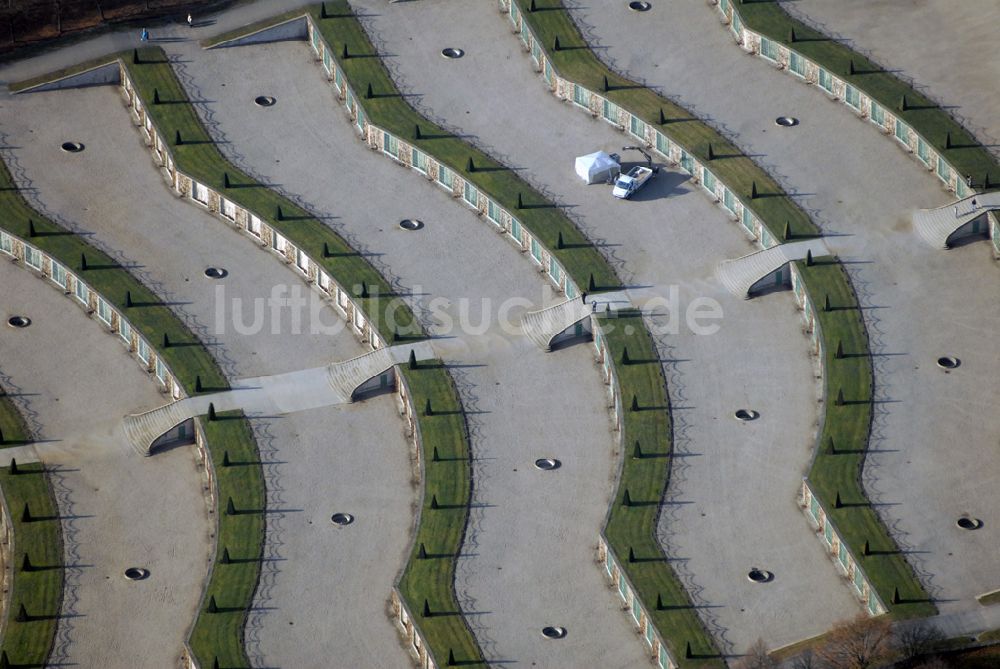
(628, 184)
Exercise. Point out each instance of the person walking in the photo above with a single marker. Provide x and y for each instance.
(144, 36)
(189, 20)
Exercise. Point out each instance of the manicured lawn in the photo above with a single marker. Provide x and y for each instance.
(922, 114)
(199, 157)
(39, 589)
(220, 635)
(441, 531)
(646, 479)
(12, 426)
(848, 426)
(990, 599)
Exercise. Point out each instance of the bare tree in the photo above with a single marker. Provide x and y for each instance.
(857, 644)
(806, 660)
(913, 639)
(757, 657)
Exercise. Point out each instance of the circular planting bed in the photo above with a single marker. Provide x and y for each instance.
(967, 523)
(72, 147)
(411, 224)
(547, 464)
(553, 632)
(216, 273)
(136, 573)
(746, 415)
(786, 121)
(19, 321)
(342, 519)
(948, 362)
(637, 6)
(760, 575)
(452, 53)
(264, 101)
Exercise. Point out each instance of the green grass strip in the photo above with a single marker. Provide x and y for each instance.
(219, 635)
(778, 213)
(646, 478)
(189, 363)
(836, 473)
(12, 426)
(989, 599)
(925, 116)
(199, 157)
(447, 481)
(39, 537)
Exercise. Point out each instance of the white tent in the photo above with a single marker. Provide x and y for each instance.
(597, 167)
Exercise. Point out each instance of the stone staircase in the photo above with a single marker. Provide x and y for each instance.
(543, 325)
(740, 274)
(934, 226)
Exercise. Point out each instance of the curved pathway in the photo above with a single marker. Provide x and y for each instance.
(731, 502)
(918, 303)
(352, 458)
(118, 508)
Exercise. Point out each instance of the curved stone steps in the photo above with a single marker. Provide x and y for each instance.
(740, 274)
(934, 226)
(542, 325)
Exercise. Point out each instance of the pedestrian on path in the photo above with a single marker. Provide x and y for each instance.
(189, 20)
(144, 36)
